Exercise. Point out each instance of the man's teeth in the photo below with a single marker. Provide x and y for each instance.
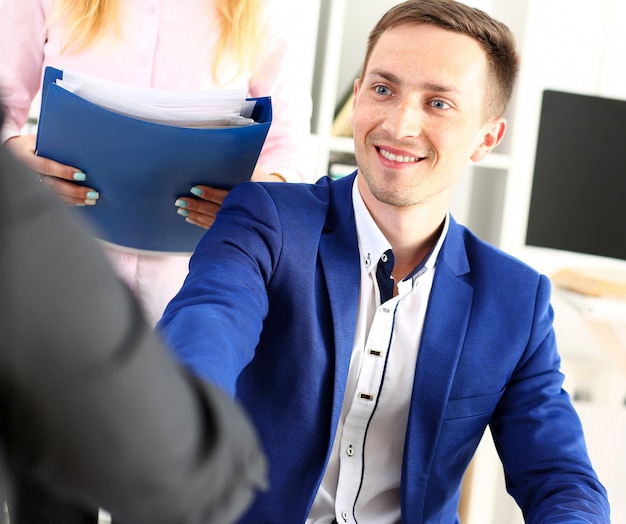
(397, 158)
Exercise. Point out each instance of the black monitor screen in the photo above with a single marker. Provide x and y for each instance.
(578, 199)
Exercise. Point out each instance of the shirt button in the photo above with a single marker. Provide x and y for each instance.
(350, 451)
(344, 516)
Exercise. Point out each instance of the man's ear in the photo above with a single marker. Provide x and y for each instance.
(357, 85)
(354, 97)
(493, 135)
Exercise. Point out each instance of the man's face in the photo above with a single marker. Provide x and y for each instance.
(419, 115)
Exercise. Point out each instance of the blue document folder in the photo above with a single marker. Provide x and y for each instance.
(140, 168)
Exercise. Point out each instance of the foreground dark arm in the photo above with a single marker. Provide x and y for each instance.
(91, 402)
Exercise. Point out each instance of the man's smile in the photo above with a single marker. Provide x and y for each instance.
(395, 157)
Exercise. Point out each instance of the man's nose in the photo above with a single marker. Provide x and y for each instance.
(404, 120)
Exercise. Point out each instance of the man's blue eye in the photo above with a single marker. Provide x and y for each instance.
(382, 90)
(440, 104)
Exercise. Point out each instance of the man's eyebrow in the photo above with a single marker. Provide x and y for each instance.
(427, 86)
(382, 73)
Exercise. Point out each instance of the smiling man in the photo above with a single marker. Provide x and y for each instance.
(371, 338)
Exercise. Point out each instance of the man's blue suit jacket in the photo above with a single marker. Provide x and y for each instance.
(268, 312)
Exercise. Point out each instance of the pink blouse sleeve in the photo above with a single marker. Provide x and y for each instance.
(22, 40)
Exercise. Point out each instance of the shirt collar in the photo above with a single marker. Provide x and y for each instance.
(372, 242)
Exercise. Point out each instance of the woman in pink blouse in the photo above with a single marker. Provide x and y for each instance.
(170, 44)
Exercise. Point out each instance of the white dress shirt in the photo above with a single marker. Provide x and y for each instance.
(362, 479)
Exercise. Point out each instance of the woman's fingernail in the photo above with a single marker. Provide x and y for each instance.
(93, 195)
(196, 191)
(180, 203)
(183, 212)
(90, 202)
(80, 177)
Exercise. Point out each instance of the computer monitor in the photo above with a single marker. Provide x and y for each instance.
(578, 196)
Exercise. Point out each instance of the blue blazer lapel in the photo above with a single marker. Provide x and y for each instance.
(443, 335)
(339, 258)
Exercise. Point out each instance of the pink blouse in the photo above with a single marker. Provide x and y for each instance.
(164, 44)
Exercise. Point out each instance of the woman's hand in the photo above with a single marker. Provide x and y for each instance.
(201, 211)
(59, 177)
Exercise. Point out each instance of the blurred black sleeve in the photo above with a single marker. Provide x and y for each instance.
(91, 402)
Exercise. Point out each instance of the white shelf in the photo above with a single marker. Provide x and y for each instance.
(495, 161)
(341, 144)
